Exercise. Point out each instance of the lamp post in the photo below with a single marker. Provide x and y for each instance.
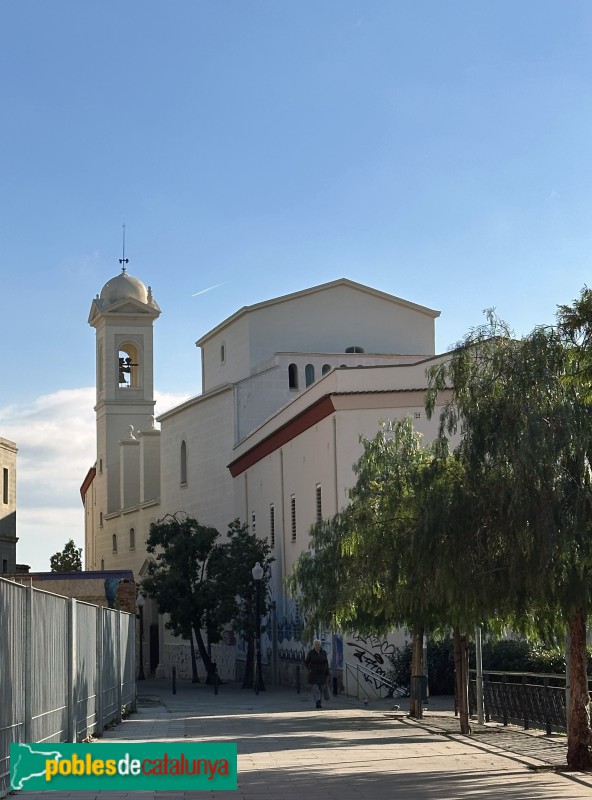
(140, 603)
(257, 573)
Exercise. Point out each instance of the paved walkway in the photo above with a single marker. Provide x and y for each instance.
(346, 751)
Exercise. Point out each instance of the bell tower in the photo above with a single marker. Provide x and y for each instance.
(123, 316)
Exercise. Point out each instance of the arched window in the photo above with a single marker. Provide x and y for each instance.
(355, 349)
(183, 462)
(114, 542)
(293, 376)
(326, 368)
(102, 563)
(309, 374)
(128, 370)
(101, 520)
(222, 353)
(132, 543)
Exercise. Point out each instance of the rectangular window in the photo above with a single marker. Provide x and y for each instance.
(319, 504)
(293, 516)
(272, 525)
(253, 523)
(4, 565)
(5, 486)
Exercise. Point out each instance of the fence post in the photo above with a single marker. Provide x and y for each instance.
(99, 677)
(546, 707)
(479, 676)
(297, 678)
(28, 665)
(504, 699)
(525, 703)
(118, 671)
(71, 690)
(134, 670)
(174, 680)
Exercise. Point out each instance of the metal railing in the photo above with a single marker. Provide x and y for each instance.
(373, 684)
(529, 699)
(66, 668)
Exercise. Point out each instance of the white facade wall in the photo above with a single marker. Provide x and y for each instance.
(259, 396)
(329, 320)
(237, 363)
(206, 426)
(322, 455)
(101, 555)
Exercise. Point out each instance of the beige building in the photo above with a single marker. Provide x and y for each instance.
(8, 537)
(288, 386)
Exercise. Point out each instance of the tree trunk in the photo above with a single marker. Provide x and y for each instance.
(207, 662)
(461, 676)
(194, 675)
(579, 737)
(415, 706)
(249, 676)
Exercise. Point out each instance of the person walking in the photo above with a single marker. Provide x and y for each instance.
(317, 665)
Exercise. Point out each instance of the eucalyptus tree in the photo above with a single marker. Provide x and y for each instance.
(526, 444)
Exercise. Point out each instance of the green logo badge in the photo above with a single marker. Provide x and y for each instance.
(113, 766)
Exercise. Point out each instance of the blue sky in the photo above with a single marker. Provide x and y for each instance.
(436, 151)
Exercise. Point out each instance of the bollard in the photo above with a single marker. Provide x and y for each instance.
(215, 668)
(174, 680)
(297, 678)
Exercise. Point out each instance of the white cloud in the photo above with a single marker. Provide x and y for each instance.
(55, 436)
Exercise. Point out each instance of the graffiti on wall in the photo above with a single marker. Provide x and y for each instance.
(372, 653)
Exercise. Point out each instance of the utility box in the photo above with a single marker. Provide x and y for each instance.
(419, 688)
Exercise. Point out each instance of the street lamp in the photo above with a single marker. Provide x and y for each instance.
(257, 573)
(140, 603)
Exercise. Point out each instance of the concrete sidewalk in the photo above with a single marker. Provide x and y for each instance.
(346, 751)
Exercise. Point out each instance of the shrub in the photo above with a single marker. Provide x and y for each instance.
(503, 656)
(440, 667)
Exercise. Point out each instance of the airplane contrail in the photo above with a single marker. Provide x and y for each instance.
(209, 289)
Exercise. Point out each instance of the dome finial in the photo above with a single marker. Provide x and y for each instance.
(123, 261)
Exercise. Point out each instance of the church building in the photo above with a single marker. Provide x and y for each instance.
(288, 386)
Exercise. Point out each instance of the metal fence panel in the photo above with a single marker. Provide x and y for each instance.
(59, 660)
(13, 601)
(110, 671)
(86, 673)
(49, 687)
(127, 645)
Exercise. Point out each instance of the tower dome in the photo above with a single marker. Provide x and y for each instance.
(124, 287)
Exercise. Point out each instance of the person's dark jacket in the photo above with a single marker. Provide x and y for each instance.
(318, 666)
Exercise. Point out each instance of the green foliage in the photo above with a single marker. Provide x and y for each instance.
(234, 561)
(523, 656)
(360, 573)
(68, 560)
(526, 416)
(400, 671)
(202, 583)
(440, 665)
